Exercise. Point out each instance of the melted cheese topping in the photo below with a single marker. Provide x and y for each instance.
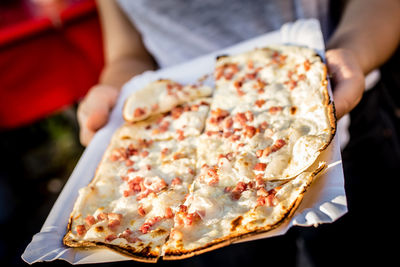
(211, 168)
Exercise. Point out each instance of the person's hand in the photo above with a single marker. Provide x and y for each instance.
(94, 110)
(347, 78)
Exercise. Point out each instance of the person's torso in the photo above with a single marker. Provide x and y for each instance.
(178, 30)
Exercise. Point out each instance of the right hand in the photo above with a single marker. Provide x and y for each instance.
(94, 110)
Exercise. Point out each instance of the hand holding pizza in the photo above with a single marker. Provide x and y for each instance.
(347, 78)
(93, 111)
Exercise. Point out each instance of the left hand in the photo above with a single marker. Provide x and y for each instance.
(347, 78)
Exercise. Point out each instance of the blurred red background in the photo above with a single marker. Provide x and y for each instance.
(50, 55)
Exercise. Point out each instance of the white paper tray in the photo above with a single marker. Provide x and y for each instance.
(324, 202)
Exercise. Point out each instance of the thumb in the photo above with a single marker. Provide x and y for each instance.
(98, 117)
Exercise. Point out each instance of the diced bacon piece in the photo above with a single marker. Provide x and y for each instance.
(129, 236)
(164, 151)
(307, 65)
(270, 200)
(261, 84)
(290, 74)
(267, 151)
(212, 177)
(251, 76)
(275, 147)
(275, 109)
(180, 135)
(168, 213)
(90, 220)
(266, 197)
(128, 193)
(143, 143)
(163, 127)
(161, 184)
(278, 145)
(144, 194)
(130, 170)
(238, 84)
(259, 181)
(241, 118)
(211, 133)
(237, 191)
(148, 224)
(263, 126)
(259, 103)
(228, 123)
(292, 84)
(114, 220)
(145, 228)
(195, 107)
(177, 156)
(234, 138)
(218, 115)
(135, 184)
(81, 229)
(259, 153)
(176, 181)
(139, 112)
(227, 134)
(155, 184)
(260, 166)
(191, 218)
(183, 208)
(102, 216)
(155, 107)
(191, 171)
(176, 112)
(141, 211)
(241, 186)
(110, 237)
(229, 156)
(125, 233)
(228, 189)
(131, 151)
(178, 219)
(262, 192)
(119, 153)
(250, 131)
(249, 115)
(301, 77)
(129, 163)
(261, 201)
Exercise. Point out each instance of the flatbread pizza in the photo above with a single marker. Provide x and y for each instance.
(195, 168)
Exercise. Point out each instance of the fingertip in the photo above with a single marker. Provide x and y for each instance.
(85, 136)
(97, 119)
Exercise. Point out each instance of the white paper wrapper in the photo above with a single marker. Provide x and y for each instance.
(324, 202)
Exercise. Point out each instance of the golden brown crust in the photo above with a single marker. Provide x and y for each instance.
(142, 256)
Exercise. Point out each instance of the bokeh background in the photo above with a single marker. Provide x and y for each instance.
(50, 55)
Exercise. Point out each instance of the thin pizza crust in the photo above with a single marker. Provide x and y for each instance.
(186, 174)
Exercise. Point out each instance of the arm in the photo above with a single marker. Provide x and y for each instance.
(125, 56)
(367, 35)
